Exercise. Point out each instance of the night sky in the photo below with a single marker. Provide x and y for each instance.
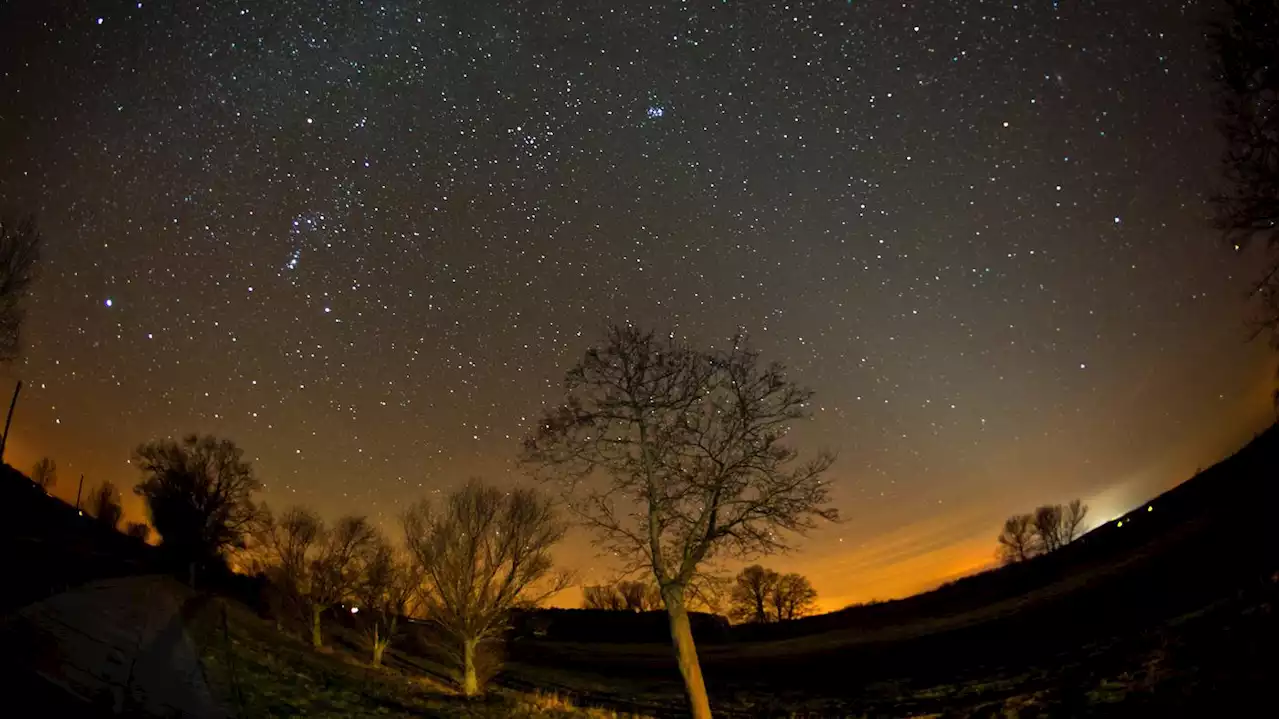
(365, 240)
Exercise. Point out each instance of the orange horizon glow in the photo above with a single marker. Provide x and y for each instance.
(870, 558)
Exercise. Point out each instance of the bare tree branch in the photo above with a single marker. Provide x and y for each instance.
(199, 495)
(675, 458)
(19, 257)
(1050, 528)
(482, 552)
(1243, 41)
(104, 505)
(383, 597)
(45, 473)
(1017, 540)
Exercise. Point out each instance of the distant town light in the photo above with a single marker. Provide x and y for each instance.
(1120, 523)
(355, 610)
(1148, 507)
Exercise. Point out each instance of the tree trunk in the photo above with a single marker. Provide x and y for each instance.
(686, 653)
(470, 686)
(315, 626)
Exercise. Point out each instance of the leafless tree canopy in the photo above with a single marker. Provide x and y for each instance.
(676, 458)
(482, 552)
(1018, 539)
(45, 473)
(198, 492)
(762, 595)
(281, 548)
(384, 594)
(1244, 43)
(313, 567)
(602, 596)
(751, 593)
(1048, 529)
(19, 255)
(793, 597)
(286, 545)
(342, 553)
(1072, 521)
(105, 505)
(626, 595)
(1048, 525)
(640, 596)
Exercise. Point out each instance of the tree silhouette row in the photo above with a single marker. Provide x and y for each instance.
(686, 455)
(1047, 529)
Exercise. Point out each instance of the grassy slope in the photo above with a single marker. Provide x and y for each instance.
(259, 671)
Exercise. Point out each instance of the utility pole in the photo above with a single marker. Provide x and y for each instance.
(78, 490)
(14, 403)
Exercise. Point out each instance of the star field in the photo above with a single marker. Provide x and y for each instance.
(365, 240)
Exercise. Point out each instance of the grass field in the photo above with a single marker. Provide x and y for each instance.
(1201, 663)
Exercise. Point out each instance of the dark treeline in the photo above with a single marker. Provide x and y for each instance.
(763, 596)
(1047, 529)
(625, 596)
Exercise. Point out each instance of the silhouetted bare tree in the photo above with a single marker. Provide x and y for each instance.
(383, 596)
(199, 495)
(762, 595)
(751, 593)
(602, 596)
(336, 571)
(1243, 40)
(45, 473)
(639, 596)
(675, 458)
(1073, 520)
(793, 597)
(1048, 529)
(626, 595)
(1047, 521)
(138, 530)
(19, 255)
(482, 552)
(1018, 539)
(283, 550)
(104, 504)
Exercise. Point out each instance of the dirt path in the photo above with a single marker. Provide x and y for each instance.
(113, 647)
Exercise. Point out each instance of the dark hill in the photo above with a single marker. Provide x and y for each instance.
(1233, 502)
(1170, 612)
(51, 546)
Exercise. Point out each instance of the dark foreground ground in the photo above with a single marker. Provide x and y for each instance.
(1218, 660)
(1172, 613)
